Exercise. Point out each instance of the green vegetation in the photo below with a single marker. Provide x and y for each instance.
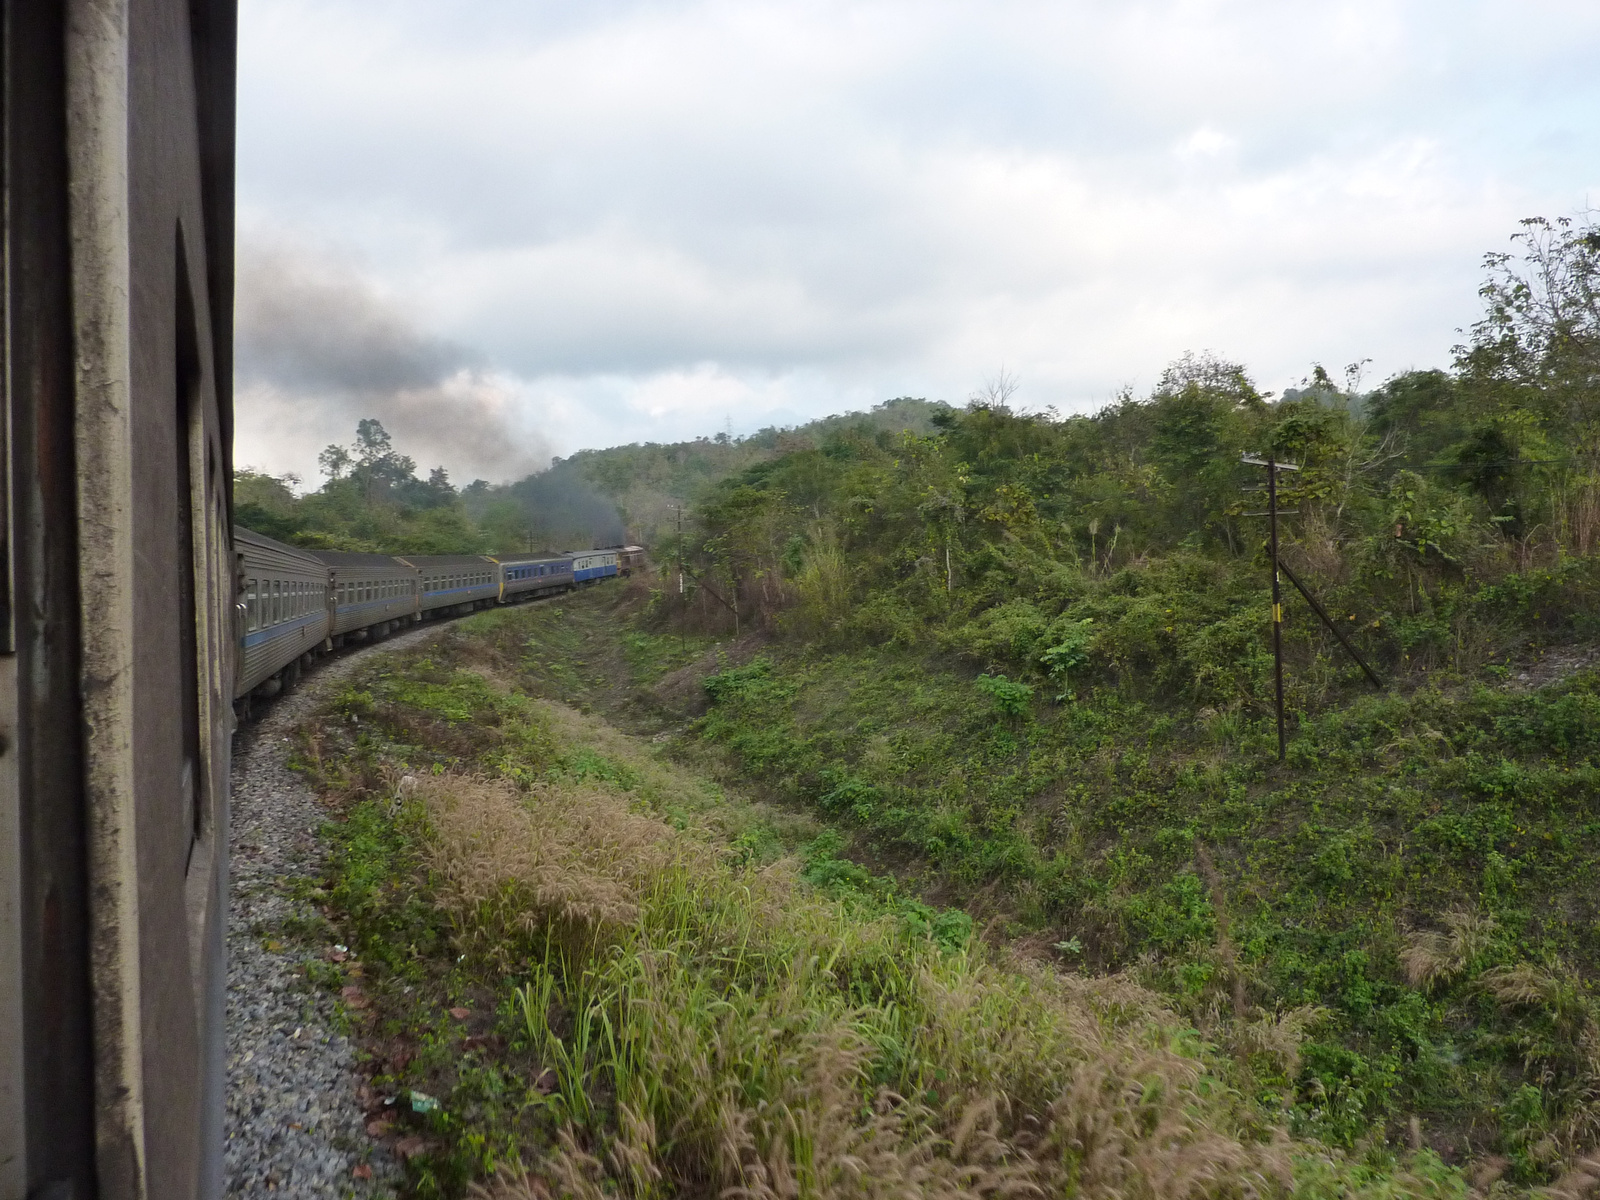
(1025, 662)
(962, 852)
(579, 970)
(372, 499)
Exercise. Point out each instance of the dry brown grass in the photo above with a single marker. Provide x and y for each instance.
(757, 1080)
(1438, 956)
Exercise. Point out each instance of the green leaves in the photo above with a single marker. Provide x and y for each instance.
(1009, 699)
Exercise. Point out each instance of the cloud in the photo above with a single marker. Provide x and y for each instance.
(320, 347)
(644, 216)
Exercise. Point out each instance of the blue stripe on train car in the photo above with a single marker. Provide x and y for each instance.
(275, 631)
(382, 602)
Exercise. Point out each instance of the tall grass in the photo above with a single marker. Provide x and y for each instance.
(712, 1027)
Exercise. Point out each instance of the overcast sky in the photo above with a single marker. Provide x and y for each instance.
(512, 228)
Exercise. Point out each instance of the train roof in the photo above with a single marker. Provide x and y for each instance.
(352, 558)
(242, 534)
(423, 561)
(536, 556)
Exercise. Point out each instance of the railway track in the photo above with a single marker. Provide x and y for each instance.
(294, 1123)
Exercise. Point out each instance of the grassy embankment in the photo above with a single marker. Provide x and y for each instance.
(570, 952)
(1412, 892)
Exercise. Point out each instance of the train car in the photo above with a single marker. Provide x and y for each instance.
(117, 637)
(591, 565)
(455, 582)
(630, 559)
(284, 614)
(369, 595)
(535, 575)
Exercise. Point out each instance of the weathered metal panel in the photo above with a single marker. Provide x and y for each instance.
(534, 575)
(448, 580)
(117, 490)
(275, 633)
(368, 589)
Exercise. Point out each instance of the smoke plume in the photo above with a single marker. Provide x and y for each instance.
(322, 347)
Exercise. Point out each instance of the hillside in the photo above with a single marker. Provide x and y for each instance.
(1024, 664)
(373, 499)
(970, 719)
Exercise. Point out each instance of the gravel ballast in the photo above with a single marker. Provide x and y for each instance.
(295, 1124)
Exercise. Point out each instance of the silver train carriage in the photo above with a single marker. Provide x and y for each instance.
(371, 594)
(455, 583)
(534, 575)
(284, 616)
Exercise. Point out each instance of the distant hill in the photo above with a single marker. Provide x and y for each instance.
(376, 501)
(647, 480)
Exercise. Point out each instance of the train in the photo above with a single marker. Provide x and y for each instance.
(117, 593)
(295, 604)
(125, 638)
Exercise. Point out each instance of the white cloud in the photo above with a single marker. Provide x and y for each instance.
(644, 220)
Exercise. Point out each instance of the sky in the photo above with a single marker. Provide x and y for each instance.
(512, 229)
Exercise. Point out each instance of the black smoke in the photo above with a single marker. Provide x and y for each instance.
(332, 345)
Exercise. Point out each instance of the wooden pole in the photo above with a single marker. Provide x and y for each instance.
(1277, 602)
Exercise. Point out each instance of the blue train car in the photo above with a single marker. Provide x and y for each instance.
(533, 575)
(590, 565)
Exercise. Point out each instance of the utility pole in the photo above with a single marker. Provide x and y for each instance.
(1273, 466)
(1272, 514)
(1277, 602)
(678, 509)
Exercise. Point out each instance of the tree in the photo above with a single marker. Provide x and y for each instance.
(373, 443)
(334, 461)
(1542, 328)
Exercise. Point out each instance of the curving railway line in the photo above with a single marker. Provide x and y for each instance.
(296, 604)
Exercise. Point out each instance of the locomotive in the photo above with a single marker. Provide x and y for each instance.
(295, 604)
